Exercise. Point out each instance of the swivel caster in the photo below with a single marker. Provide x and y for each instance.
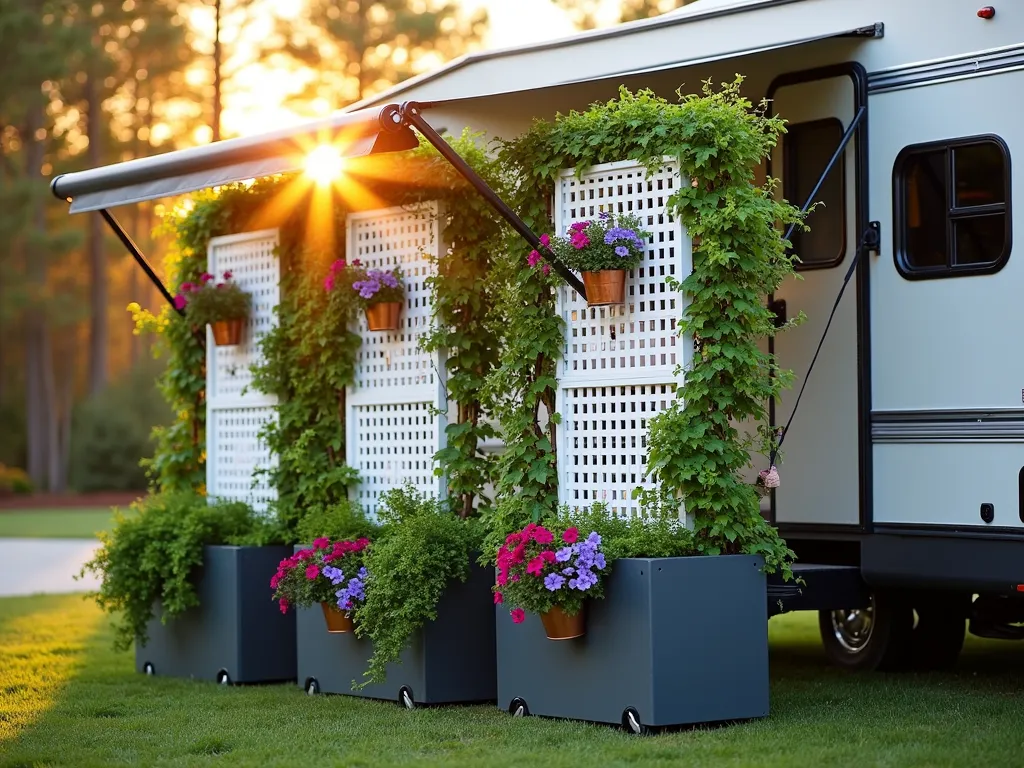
(405, 698)
(312, 687)
(631, 722)
(518, 708)
(148, 669)
(223, 678)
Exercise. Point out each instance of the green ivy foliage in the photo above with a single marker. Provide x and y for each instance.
(739, 258)
(420, 550)
(152, 555)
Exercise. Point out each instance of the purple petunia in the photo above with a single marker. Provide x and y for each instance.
(563, 554)
(554, 582)
(621, 233)
(621, 250)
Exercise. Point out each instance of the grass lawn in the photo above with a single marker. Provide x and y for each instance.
(55, 523)
(67, 699)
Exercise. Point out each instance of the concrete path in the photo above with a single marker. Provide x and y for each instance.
(31, 566)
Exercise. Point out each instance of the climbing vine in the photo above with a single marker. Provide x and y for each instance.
(739, 257)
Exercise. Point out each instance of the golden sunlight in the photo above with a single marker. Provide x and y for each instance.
(324, 164)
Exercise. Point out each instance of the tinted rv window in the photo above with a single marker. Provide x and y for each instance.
(807, 148)
(952, 203)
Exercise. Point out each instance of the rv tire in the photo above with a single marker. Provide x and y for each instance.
(877, 638)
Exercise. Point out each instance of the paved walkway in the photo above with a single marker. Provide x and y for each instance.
(31, 566)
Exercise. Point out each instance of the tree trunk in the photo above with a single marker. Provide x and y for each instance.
(98, 326)
(54, 454)
(217, 67)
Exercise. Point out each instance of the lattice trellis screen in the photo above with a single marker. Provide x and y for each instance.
(234, 416)
(392, 431)
(617, 369)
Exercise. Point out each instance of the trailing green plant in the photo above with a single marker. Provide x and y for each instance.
(421, 549)
(695, 450)
(342, 520)
(210, 301)
(152, 555)
(463, 297)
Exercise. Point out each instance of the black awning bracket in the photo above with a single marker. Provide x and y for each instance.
(411, 114)
(139, 256)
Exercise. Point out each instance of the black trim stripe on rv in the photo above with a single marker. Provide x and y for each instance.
(962, 67)
(947, 426)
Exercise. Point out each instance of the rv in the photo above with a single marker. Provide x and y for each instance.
(903, 473)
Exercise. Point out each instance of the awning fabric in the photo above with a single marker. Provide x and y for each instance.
(355, 134)
(698, 33)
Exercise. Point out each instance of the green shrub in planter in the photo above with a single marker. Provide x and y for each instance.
(153, 556)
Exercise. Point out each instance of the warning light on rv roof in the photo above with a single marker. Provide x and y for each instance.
(324, 164)
(987, 12)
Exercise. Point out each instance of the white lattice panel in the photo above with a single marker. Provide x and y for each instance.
(394, 444)
(235, 413)
(619, 362)
(234, 453)
(391, 426)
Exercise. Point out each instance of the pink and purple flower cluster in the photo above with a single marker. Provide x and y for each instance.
(531, 563)
(332, 274)
(307, 577)
(181, 299)
(354, 589)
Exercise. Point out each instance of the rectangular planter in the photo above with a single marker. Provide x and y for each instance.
(680, 640)
(236, 629)
(450, 660)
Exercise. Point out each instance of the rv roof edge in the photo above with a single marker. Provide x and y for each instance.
(364, 132)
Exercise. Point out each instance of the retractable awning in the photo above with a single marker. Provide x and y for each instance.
(354, 134)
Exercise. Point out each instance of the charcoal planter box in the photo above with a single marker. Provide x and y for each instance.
(680, 640)
(450, 660)
(236, 629)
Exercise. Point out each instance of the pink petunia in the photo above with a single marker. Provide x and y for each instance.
(187, 287)
(329, 283)
(542, 535)
(283, 604)
(534, 258)
(536, 566)
(206, 277)
(227, 275)
(546, 270)
(518, 615)
(545, 240)
(577, 227)
(312, 572)
(548, 555)
(321, 543)
(502, 579)
(498, 598)
(571, 535)
(305, 554)
(579, 241)
(179, 302)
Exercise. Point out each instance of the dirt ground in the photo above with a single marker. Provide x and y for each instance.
(69, 500)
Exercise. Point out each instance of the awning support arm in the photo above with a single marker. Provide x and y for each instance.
(847, 136)
(411, 115)
(139, 257)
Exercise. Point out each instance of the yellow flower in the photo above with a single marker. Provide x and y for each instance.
(134, 307)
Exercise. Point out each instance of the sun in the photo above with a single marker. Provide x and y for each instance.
(325, 164)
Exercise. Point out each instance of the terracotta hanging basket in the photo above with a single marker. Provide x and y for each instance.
(338, 622)
(559, 626)
(227, 333)
(605, 287)
(383, 316)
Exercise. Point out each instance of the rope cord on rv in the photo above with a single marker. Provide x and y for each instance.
(864, 245)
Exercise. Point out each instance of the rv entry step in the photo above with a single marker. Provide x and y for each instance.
(817, 587)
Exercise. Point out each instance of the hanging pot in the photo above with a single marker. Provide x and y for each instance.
(227, 333)
(383, 316)
(605, 287)
(559, 626)
(337, 621)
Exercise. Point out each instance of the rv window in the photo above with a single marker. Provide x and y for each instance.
(807, 148)
(952, 208)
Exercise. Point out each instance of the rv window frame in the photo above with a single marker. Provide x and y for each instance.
(788, 162)
(899, 189)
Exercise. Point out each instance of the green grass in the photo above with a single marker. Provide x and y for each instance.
(67, 699)
(55, 523)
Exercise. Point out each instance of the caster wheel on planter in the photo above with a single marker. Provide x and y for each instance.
(517, 708)
(148, 669)
(223, 678)
(405, 698)
(631, 722)
(312, 687)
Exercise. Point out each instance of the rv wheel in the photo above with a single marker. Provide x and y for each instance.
(405, 697)
(148, 669)
(517, 708)
(312, 687)
(874, 638)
